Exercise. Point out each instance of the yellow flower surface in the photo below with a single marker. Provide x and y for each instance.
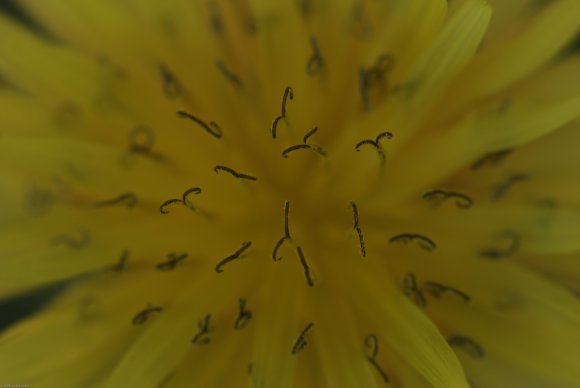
(276, 193)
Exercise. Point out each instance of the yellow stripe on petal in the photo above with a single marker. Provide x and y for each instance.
(452, 49)
(551, 172)
(420, 22)
(164, 344)
(488, 226)
(513, 58)
(533, 332)
(431, 160)
(276, 330)
(219, 364)
(563, 269)
(341, 347)
(557, 82)
(89, 165)
(407, 331)
(527, 123)
(508, 15)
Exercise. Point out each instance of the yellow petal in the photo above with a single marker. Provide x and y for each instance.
(533, 332)
(451, 50)
(515, 57)
(90, 325)
(277, 330)
(417, 340)
(475, 137)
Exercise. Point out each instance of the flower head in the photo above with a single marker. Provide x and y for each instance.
(292, 193)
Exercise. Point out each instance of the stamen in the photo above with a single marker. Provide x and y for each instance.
(288, 94)
(83, 240)
(183, 201)
(372, 344)
(355, 213)
(462, 200)
(40, 200)
(187, 193)
(202, 338)
(382, 135)
(143, 315)
(304, 263)
(471, 347)
(275, 126)
(236, 255)
(498, 253)
(277, 247)
(301, 341)
(286, 236)
(424, 242)
(305, 7)
(234, 173)
(411, 290)
(172, 260)
(366, 141)
(374, 77)
(362, 28)
(231, 77)
(437, 290)
(122, 263)
(492, 158)
(286, 219)
(385, 63)
(309, 134)
(171, 85)
(358, 230)
(244, 315)
(364, 89)
(295, 148)
(213, 129)
(316, 148)
(127, 199)
(375, 143)
(162, 208)
(315, 63)
(141, 139)
(502, 188)
(215, 18)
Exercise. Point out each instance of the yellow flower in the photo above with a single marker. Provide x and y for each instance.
(283, 194)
